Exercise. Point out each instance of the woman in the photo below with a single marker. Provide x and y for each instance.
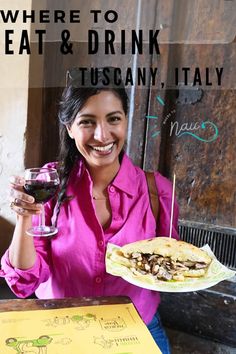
(103, 198)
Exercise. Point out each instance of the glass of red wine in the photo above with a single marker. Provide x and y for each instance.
(42, 184)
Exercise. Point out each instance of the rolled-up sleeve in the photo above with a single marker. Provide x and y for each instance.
(24, 282)
(164, 188)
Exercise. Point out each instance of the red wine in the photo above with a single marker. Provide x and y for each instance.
(42, 191)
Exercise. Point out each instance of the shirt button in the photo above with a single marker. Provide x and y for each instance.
(98, 280)
(112, 189)
(100, 243)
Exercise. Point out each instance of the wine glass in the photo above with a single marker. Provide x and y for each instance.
(42, 184)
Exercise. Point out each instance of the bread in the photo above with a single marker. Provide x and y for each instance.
(168, 247)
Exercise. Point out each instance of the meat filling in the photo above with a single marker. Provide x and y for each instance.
(163, 268)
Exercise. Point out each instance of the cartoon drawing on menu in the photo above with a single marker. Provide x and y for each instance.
(58, 321)
(104, 343)
(81, 321)
(115, 324)
(29, 346)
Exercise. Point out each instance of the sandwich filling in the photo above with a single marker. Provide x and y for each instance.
(164, 268)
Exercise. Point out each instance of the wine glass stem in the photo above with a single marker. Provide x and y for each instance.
(42, 218)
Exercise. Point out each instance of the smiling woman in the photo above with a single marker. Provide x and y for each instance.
(102, 198)
(94, 126)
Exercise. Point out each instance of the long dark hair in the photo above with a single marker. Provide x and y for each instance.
(73, 99)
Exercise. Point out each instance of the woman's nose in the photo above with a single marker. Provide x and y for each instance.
(102, 133)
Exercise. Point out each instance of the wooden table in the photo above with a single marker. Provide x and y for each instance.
(36, 304)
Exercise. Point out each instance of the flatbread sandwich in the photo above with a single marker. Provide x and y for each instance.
(162, 258)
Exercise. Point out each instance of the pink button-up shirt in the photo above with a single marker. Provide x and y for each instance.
(72, 263)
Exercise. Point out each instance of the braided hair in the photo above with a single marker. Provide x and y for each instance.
(72, 101)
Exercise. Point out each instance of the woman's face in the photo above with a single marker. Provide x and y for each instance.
(99, 129)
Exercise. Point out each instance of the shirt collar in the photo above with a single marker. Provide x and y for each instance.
(124, 180)
(126, 177)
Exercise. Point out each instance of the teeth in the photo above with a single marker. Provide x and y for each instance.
(103, 148)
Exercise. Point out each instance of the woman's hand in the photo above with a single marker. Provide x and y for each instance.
(22, 203)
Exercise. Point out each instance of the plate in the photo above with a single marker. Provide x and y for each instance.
(216, 273)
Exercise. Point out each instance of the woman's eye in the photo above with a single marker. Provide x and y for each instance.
(114, 119)
(86, 122)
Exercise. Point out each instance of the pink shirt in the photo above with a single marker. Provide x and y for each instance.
(72, 263)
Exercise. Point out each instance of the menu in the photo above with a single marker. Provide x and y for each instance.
(110, 329)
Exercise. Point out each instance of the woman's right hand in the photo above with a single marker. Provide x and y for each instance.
(22, 203)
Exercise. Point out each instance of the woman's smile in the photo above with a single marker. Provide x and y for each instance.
(103, 149)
